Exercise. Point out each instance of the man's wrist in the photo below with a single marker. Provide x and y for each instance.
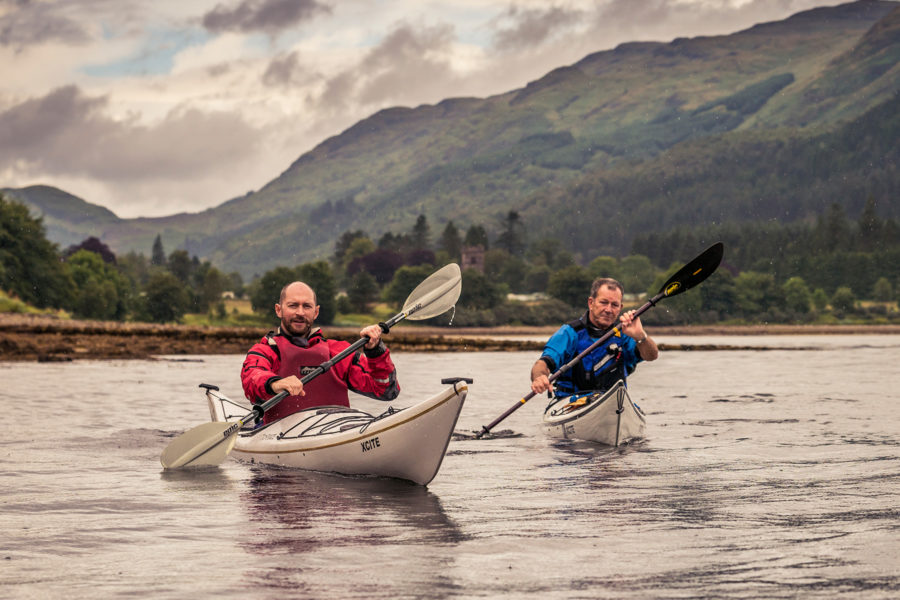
(377, 351)
(269, 383)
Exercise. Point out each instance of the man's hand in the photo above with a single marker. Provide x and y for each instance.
(292, 384)
(540, 377)
(540, 385)
(631, 325)
(373, 332)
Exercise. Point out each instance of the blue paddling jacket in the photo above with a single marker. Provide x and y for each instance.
(600, 369)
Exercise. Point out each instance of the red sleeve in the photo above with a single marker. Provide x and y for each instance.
(260, 366)
(372, 377)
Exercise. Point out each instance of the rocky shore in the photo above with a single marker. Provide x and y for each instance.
(44, 338)
(41, 338)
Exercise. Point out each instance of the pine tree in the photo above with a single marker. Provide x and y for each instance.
(477, 236)
(450, 242)
(511, 239)
(158, 255)
(869, 227)
(420, 233)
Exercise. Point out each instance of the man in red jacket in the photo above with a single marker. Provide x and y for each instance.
(295, 348)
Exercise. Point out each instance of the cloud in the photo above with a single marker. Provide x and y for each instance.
(407, 59)
(67, 133)
(24, 23)
(411, 65)
(285, 71)
(662, 20)
(531, 27)
(267, 16)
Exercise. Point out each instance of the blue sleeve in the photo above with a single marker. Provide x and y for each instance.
(560, 348)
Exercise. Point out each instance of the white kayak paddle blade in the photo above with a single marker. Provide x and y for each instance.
(436, 295)
(207, 444)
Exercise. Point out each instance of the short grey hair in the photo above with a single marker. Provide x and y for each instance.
(609, 282)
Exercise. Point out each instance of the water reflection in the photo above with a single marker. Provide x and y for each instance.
(205, 478)
(569, 451)
(301, 510)
(330, 533)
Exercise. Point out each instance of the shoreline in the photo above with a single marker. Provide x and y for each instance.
(28, 338)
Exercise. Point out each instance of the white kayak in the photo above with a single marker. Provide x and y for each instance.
(605, 417)
(406, 443)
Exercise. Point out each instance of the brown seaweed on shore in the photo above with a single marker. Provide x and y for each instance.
(43, 338)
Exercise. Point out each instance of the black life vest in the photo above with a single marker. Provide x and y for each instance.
(600, 369)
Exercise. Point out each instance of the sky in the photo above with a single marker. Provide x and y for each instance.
(157, 107)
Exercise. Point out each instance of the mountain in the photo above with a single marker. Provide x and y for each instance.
(68, 219)
(642, 137)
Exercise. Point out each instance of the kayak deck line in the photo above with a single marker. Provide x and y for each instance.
(407, 443)
(355, 439)
(609, 418)
(590, 407)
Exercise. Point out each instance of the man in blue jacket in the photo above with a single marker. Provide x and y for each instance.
(609, 362)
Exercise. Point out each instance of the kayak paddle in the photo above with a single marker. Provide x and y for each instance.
(210, 443)
(687, 277)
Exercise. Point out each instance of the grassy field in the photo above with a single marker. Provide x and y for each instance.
(11, 304)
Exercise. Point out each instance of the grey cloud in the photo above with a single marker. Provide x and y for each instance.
(219, 70)
(24, 23)
(402, 66)
(31, 125)
(532, 26)
(630, 18)
(642, 12)
(337, 95)
(664, 20)
(286, 70)
(407, 44)
(281, 70)
(66, 133)
(268, 16)
(405, 61)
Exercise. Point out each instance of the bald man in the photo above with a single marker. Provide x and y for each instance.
(296, 347)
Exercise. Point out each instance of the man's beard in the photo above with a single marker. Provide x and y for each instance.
(296, 327)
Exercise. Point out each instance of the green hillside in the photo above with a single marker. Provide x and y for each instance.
(748, 126)
(68, 219)
(755, 175)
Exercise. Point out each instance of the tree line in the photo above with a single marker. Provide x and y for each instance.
(91, 282)
(829, 268)
(821, 271)
(798, 272)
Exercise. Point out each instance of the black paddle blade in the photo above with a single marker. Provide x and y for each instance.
(695, 271)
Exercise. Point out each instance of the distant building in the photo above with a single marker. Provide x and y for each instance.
(473, 258)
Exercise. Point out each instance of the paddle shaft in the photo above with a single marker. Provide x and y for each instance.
(559, 372)
(432, 297)
(260, 409)
(210, 443)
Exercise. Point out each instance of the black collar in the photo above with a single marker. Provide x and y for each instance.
(592, 330)
(301, 341)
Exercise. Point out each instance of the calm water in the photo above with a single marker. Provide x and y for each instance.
(770, 473)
